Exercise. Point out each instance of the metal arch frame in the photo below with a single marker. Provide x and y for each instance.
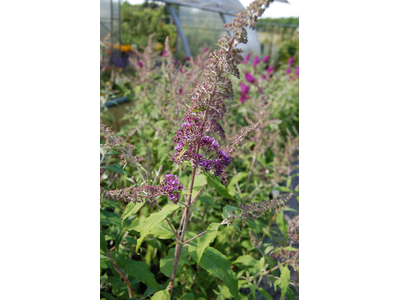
(180, 29)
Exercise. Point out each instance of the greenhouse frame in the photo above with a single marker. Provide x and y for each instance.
(199, 24)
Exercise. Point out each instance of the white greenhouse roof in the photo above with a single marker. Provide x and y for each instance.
(231, 7)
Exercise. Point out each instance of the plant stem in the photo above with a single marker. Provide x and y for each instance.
(130, 289)
(178, 246)
(250, 172)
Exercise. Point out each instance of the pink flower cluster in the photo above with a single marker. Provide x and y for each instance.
(244, 95)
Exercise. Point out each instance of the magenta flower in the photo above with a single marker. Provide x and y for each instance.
(187, 58)
(243, 97)
(256, 61)
(297, 71)
(163, 53)
(250, 78)
(290, 61)
(245, 88)
(246, 59)
(205, 50)
(288, 71)
(270, 69)
(179, 91)
(264, 77)
(140, 63)
(265, 59)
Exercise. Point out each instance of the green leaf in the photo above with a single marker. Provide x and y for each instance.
(189, 296)
(103, 244)
(199, 109)
(163, 231)
(151, 222)
(112, 152)
(161, 295)
(238, 198)
(246, 260)
(218, 265)
(131, 209)
(265, 294)
(239, 176)
(107, 218)
(136, 224)
(281, 223)
(137, 90)
(216, 184)
(108, 296)
(208, 200)
(141, 271)
(290, 248)
(285, 277)
(167, 263)
(131, 240)
(268, 249)
(148, 176)
(207, 239)
(199, 181)
(227, 211)
(184, 149)
(114, 168)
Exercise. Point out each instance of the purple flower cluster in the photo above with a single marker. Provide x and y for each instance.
(172, 187)
(246, 59)
(244, 95)
(250, 78)
(265, 59)
(189, 136)
(256, 61)
(290, 61)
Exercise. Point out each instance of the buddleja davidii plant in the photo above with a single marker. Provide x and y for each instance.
(207, 108)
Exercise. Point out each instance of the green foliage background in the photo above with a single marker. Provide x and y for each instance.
(139, 21)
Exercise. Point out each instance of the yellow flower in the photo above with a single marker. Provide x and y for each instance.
(158, 47)
(126, 48)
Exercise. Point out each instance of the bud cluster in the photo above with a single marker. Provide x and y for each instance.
(171, 187)
(208, 100)
(256, 209)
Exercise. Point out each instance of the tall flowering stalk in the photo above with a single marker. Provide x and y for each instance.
(208, 107)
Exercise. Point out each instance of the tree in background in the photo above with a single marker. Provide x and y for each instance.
(139, 21)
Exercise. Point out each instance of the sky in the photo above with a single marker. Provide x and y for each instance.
(276, 9)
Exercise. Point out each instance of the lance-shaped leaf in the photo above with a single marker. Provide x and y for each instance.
(206, 239)
(246, 260)
(107, 217)
(216, 184)
(285, 277)
(161, 295)
(151, 222)
(131, 209)
(218, 265)
(163, 231)
(167, 263)
(141, 271)
(199, 181)
(114, 168)
(239, 176)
